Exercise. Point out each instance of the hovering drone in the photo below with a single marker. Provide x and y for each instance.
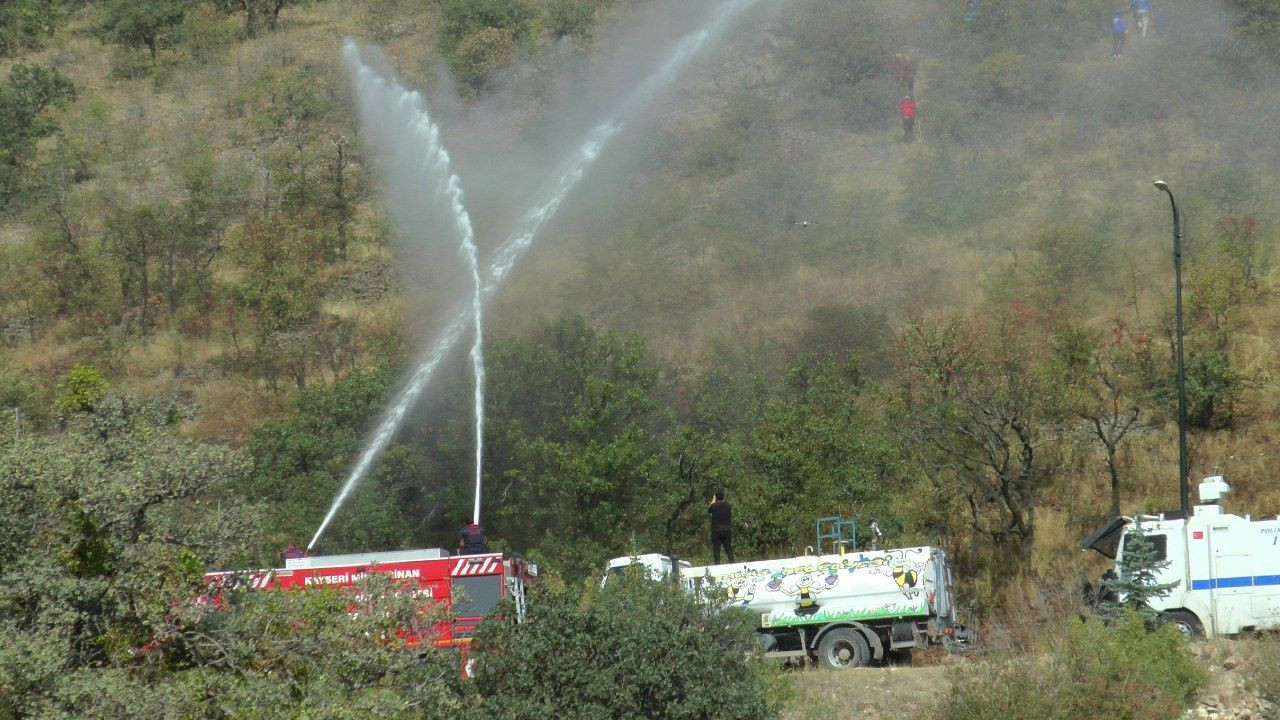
(805, 223)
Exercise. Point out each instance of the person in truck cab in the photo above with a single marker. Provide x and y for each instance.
(472, 540)
(721, 527)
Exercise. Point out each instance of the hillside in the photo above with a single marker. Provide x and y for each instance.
(193, 212)
(223, 262)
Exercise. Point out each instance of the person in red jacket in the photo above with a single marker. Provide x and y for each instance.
(908, 119)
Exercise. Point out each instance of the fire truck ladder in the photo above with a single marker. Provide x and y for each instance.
(836, 530)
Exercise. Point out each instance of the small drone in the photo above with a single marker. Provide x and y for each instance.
(805, 223)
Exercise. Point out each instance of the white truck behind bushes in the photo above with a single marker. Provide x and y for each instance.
(843, 610)
(1227, 567)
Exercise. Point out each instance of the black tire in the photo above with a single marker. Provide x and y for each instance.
(1187, 623)
(843, 649)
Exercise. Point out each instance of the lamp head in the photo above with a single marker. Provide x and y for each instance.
(1162, 186)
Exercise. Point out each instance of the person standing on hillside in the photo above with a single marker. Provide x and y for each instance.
(971, 11)
(908, 119)
(1141, 15)
(904, 67)
(721, 527)
(1117, 34)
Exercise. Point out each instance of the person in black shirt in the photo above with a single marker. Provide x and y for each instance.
(472, 540)
(721, 527)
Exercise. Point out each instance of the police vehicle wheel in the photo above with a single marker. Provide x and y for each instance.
(843, 648)
(1189, 625)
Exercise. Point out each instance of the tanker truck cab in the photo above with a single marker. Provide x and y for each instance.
(1226, 567)
(656, 565)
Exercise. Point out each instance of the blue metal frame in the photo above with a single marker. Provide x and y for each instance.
(838, 530)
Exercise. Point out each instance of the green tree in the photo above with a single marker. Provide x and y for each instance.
(480, 54)
(460, 18)
(256, 12)
(301, 460)
(978, 411)
(480, 36)
(68, 262)
(163, 255)
(1102, 380)
(636, 649)
(574, 438)
(143, 23)
(27, 103)
(81, 390)
(24, 24)
(1261, 22)
(818, 450)
(103, 534)
(279, 291)
(1136, 583)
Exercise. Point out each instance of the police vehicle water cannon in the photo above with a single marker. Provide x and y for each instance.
(1226, 567)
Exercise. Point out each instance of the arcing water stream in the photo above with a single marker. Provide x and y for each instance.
(514, 248)
(399, 116)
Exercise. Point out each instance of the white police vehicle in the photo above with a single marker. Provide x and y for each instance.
(1227, 567)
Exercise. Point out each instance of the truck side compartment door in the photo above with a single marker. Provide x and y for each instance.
(1266, 576)
(1232, 579)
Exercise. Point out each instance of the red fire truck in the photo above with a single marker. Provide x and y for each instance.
(482, 579)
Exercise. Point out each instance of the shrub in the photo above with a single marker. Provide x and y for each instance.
(28, 102)
(1263, 674)
(24, 24)
(129, 63)
(461, 18)
(571, 19)
(142, 23)
(1083, 670)
(83, 387)
(637, 649)
(205, 34)
(481, 54)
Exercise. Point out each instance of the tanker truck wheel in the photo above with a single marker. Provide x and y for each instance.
(843, 648)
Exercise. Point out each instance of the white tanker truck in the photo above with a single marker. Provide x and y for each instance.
(843, 610)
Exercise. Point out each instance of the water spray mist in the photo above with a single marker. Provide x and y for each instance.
(514, 248)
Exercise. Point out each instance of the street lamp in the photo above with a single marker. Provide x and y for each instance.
(1183, 491)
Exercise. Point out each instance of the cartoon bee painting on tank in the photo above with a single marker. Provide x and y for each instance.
(907, 578)
(805, 587)
(905, 573)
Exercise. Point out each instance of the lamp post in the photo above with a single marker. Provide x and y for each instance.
(1183, 491)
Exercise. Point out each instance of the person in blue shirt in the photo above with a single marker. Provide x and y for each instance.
(1117, 34)
(1141, 14)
